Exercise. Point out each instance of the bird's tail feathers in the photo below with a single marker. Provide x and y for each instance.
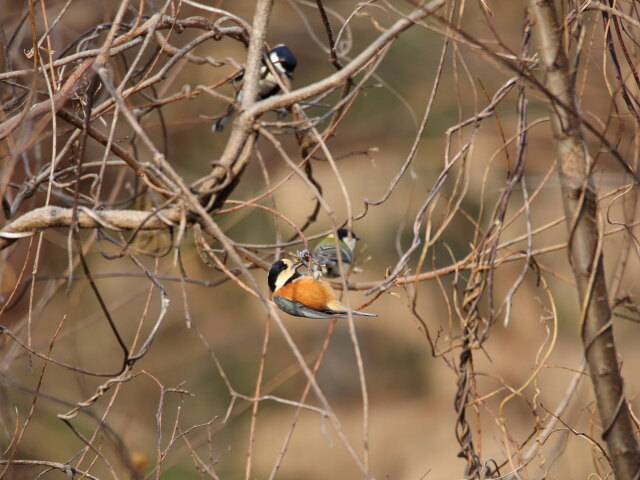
(363, 314)
(219, 124)
(344, 313)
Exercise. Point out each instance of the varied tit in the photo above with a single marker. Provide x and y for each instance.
(284, 63)
(326, 256)
(304, 295)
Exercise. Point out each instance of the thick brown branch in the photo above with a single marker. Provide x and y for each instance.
(585, 249)
(234, 156)
(50, 217)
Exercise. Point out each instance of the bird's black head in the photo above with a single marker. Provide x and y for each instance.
(281, 272)
(276, 269)
(344, 233)
(283, 58)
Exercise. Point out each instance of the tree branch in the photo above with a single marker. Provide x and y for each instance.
(585, 247)
(50, 217)
(235, 154)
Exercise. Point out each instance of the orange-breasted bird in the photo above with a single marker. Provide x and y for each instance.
(327, 257)
(304, 295)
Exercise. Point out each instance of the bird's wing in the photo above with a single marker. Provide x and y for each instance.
(327, 251)
(297, 309)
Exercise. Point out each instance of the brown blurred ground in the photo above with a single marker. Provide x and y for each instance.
(411, 393)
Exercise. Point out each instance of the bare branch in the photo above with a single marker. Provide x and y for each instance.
(585, 252)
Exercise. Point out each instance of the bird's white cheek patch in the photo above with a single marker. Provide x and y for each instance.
(282, 279)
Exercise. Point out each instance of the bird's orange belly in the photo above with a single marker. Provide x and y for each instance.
(306, 291)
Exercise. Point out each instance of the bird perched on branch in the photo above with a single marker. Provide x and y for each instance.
(304, 295)
(327, 257)
(284, 63)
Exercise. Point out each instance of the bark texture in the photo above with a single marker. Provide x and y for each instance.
(585, 253)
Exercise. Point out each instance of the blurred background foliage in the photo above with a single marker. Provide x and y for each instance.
(216, 331)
